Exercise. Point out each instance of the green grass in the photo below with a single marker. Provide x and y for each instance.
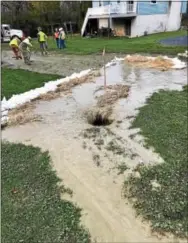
(32, 210)
(147, 44)
(16, 81)
(163, 121)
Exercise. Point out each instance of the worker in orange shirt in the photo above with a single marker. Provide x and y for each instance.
(56, 37)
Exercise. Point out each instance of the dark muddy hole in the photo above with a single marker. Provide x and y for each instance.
(100, 120)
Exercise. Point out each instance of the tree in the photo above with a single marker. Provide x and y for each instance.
(12, 11)
(47, 13)
(33, 14)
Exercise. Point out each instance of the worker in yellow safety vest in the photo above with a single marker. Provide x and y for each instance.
(42, 39)
(14, 44)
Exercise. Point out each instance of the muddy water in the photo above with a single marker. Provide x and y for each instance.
(144, 82)
(84, 159)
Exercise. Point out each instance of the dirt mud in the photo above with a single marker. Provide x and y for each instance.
(61, 64)
(87, 157)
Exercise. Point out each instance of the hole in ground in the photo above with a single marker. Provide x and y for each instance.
(99, 116)
(99, 119)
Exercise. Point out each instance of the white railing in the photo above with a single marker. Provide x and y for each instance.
(122, 8)
(99, 10)
(114, 8)
(130, 8)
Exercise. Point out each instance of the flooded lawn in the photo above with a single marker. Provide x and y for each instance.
(87, 157)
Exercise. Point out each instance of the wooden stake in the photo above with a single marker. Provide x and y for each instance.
(104, 75)
(104, 68)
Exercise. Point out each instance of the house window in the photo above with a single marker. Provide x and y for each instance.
(106, 3)
(153, 2)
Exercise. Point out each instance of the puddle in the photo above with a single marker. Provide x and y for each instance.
(97, 188)
(143, 83)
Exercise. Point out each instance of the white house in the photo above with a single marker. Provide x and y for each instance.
(134, 18)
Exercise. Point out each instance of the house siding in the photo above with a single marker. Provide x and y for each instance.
(149, 24)
(145, 7)
(174, 16)
(148, 8)
(151, 17)
(184, 7)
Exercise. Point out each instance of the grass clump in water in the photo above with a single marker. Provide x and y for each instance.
(122, 168)
(115, 147)
(32, 209)
(160, 193)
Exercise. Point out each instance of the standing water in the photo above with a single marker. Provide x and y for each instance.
(96, 186)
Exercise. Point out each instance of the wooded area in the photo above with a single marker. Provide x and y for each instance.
(31, 14)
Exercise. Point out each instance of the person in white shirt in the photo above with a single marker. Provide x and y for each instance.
(24, 48)
(61, 38)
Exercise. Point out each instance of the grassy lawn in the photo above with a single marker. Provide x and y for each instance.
(163, 121)
(31, 209)
(16, 81)
(147, 44)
